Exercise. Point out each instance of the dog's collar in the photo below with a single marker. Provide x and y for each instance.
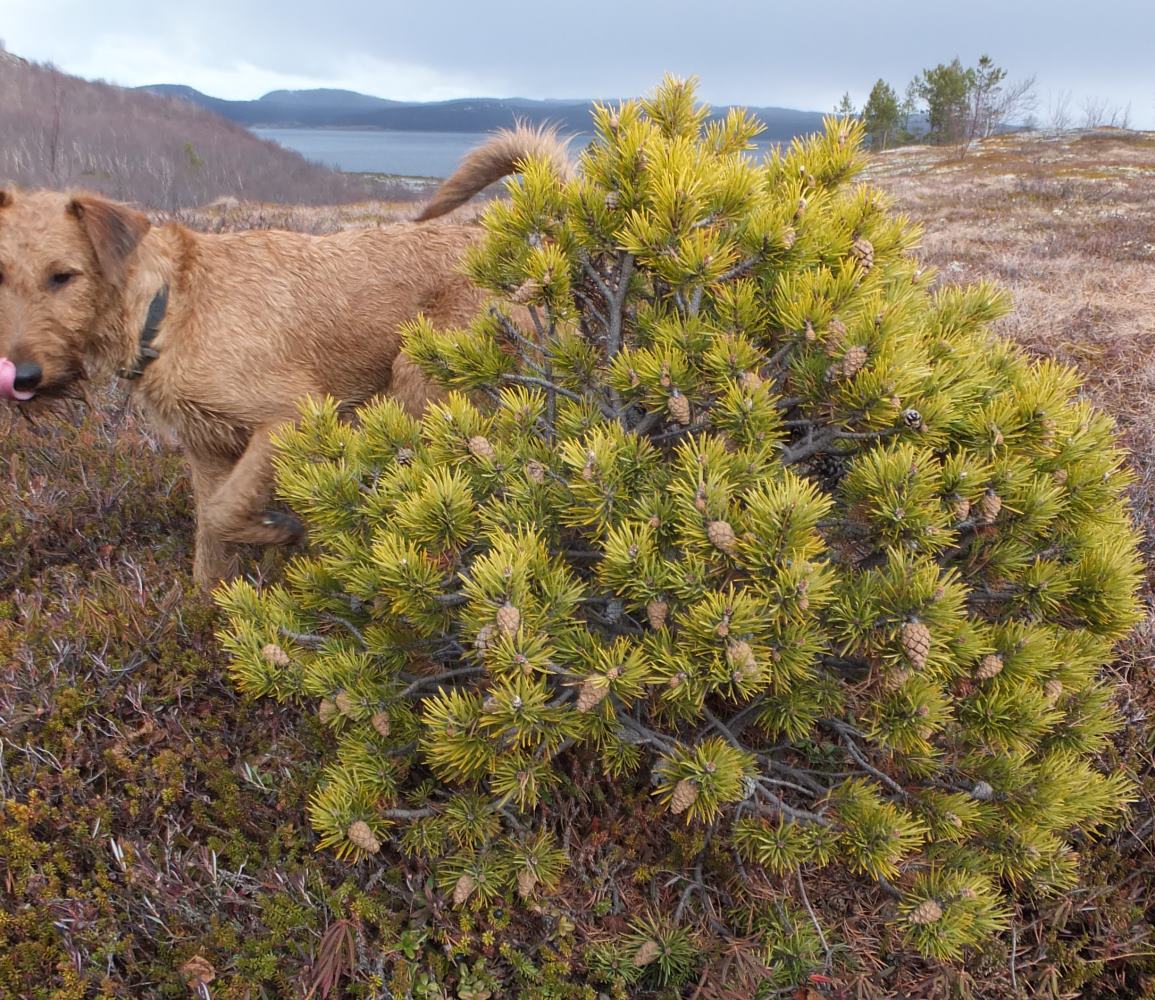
(147, 354)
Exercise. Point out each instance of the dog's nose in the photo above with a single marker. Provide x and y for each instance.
(27, 377)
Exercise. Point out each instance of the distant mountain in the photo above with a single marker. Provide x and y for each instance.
(348, 109)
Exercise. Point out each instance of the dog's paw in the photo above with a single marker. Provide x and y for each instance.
(286, 527)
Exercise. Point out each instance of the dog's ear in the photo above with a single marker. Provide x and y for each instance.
(114, 230)
(5, 198)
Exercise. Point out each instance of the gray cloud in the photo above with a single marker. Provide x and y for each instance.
(792, 54)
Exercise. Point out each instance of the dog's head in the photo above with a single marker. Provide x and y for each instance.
(64, 261)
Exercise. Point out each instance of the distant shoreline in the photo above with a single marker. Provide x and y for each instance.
(412, 157)
(408, 156)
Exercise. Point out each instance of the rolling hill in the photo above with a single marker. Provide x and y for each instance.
(348, 109)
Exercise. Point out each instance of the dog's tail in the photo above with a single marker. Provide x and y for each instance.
(498, 157)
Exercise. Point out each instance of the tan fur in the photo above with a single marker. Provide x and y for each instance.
(256, 321)
(500, 156)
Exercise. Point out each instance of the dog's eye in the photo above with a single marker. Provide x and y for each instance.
(62, 278)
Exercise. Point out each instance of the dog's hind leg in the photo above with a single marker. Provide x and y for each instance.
(237, 511)
(214, 559)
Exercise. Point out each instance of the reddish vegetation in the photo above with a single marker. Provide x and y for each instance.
(60, 131)
(144, 825)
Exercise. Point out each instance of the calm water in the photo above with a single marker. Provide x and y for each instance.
(411, 154)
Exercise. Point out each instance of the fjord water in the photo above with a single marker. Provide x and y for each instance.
(409, 154)
(379, 151)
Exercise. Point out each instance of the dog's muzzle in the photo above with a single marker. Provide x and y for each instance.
(19, 381)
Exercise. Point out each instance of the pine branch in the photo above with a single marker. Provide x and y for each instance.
(740, 269)
(617, 303)
(510, 329)
(408, 813)
(304, 638)
(596, 277)
(778, 805)
(440, 678)
(590, 308)
(677, 432)
(357, 633)
(847, 733)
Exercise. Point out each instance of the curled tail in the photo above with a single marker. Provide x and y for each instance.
(498, 157)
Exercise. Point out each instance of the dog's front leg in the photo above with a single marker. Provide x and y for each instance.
(237, 510)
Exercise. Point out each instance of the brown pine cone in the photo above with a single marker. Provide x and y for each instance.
(927, 912)
(463, 889)
(685, 795)
(657, 611)
(679, 408)
(989, 507)
(525, 292)
(721, 535)
(741, 658)
(916, 643)
(849, 365)
(526, 883)
(647, 954)
(508, 619)
(360, 834)
(480, 447)
(750, 381)
(862, 250)
(273, 654)
(592, 693)
(991, 666)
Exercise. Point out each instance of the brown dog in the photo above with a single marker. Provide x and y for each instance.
(224, 335)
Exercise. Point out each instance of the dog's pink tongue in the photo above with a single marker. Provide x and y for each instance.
(8, 388)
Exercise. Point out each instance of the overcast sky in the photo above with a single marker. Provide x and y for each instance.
(796, 54)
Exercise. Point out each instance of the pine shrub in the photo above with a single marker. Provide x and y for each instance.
(734, 505)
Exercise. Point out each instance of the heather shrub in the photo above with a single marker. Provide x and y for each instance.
(740, 557)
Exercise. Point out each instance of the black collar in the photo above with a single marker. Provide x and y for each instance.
(148, 354)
